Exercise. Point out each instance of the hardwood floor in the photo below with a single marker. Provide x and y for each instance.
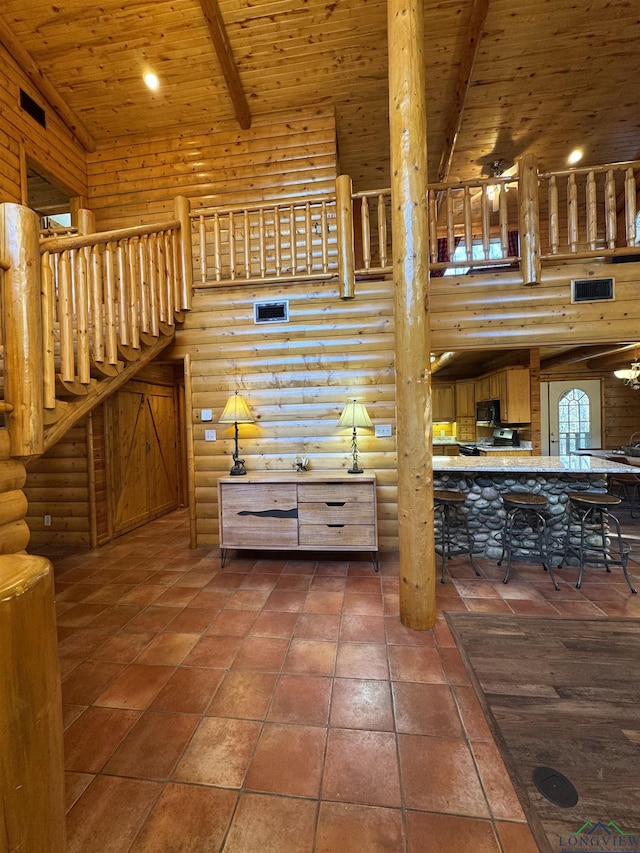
(563, 694)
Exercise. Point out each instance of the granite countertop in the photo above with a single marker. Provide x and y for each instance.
(534, 464)
(603, 454)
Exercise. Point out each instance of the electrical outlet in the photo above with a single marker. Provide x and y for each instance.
(47, 521)
(209, 435)
(383, 430)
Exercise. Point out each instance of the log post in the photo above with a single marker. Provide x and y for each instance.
(346, 251)
(410, 223)
(23, 357)
(31, 758)
(529, 219)
(181, 208)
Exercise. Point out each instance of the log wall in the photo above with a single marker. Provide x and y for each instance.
(296, 378)
(58, 156)
(134, 180)
(58, 485)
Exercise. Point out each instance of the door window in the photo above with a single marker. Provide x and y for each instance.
(574, 428)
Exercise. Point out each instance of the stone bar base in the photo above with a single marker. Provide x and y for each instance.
(485, 509)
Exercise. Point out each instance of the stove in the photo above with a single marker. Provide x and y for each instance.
(505, 437)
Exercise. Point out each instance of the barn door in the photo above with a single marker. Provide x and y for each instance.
(143, 459)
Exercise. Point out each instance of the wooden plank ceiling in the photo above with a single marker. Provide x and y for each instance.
(503, 77)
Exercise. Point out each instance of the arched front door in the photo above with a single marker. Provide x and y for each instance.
(570, 415)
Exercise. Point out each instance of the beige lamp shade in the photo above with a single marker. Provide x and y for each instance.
(355, 415)
(236, 411)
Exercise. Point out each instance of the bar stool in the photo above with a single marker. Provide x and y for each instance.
(626, 484)
(590, 511)
(453, 523)
(525, 531)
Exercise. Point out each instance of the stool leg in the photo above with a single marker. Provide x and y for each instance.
(470, 545)
(626, 574)
(506, 542)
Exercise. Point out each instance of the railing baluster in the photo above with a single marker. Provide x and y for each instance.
(232, 247)
(293, 242)
(277, 241)
(366, 232)
(82, 315)
(247, 246)
(308, 236)
(486, 222)
(468, 227)
(202, 228)
(109, 305)
(261, 244)
(145, 300)
(134, 293)
(161, 278)
(170, 278)
(95, 275)
(592, 211)
(65, 319)
(503, 216)
(154, 307)
(382, 230)
(217, 260)
(572, 209)
(630, 191)
(48, 340)
(554, 226)
(451, 237)
(323, 238)
(433, 227)
(611, 217)
(123, 301)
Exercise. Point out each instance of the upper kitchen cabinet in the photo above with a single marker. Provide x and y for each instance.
(465, 399)
(443, 402)
(515, 395)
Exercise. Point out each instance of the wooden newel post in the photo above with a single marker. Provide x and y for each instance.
(31, 756)
(181, 208)
(346, 252)
(529, 219)
(23, 356)
(408, 131)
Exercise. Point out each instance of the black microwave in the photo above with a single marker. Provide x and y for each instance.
(488, 413)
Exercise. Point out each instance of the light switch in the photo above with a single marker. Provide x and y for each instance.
(209, 435)
(382, 430)
(206, 415)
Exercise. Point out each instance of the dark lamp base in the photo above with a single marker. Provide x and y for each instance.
(355, 471)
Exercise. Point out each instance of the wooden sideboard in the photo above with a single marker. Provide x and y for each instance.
(324, 512)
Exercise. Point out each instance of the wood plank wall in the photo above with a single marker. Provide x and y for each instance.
(296, 378)
(286, 155)
(57, 154)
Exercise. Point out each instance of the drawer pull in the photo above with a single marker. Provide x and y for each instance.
(271, 513)
(335, 525)
(335, 503)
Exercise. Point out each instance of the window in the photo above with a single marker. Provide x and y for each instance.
(477, 253)
(574, 429)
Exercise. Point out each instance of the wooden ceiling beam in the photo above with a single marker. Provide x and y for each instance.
(44, 87)
(222, 46)
(585, 353)
(470, 47)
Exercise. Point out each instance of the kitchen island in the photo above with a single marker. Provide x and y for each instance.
(483, 479)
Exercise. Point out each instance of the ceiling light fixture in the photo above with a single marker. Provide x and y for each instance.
(152, 81)
(630, 375)
(576, 155)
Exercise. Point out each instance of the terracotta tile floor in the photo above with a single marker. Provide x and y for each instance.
(280, 705)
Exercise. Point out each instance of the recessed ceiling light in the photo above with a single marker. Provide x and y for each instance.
(575, 156)
(151, 80)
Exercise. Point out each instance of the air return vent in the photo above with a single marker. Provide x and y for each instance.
(591, 290)
(271, 312)
(32, 108)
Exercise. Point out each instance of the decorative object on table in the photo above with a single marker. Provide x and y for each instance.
(302, 462)
(353, 416)
(236, 412)
(630, 375)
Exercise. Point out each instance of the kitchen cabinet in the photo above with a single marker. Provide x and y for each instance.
(298, 511)
(443, 402)
(515, 395)
(446, 450)
(465, 399)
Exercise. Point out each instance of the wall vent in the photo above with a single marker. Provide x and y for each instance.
(271, 312)
(591, 290)
(32, 108)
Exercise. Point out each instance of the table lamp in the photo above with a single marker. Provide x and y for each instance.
(236, 412)
(355, 415)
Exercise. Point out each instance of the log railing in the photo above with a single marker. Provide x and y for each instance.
(282, 241)
(372, 211)
(591, 211)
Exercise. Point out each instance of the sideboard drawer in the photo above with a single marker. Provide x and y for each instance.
(338, 535)
(336, 512)
(262, 514)
(330, 493)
